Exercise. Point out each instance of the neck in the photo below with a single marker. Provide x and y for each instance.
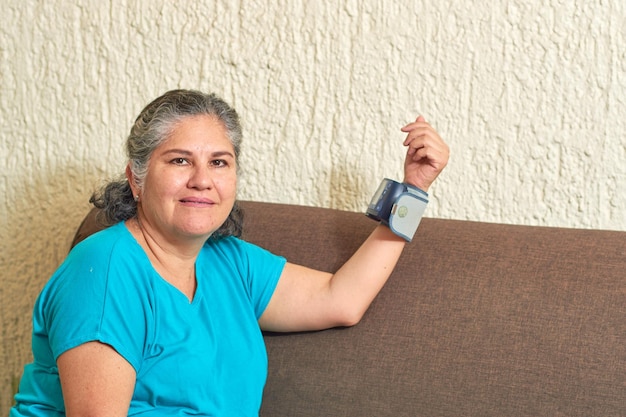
(175, 262)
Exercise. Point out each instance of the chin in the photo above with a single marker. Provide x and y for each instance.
(197, 229)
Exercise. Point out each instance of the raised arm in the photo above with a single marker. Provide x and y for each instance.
(307, 299)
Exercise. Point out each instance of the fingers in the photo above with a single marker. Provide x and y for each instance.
(421, 134)
(434, 155)
(410, 126)
(427, 154)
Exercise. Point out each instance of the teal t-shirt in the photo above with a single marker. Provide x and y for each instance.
(205, 357)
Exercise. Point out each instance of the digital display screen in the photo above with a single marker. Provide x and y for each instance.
(379, 192)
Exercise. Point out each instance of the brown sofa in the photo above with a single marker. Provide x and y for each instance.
(478, 319)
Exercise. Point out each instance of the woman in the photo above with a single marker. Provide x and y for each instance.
(161, 313)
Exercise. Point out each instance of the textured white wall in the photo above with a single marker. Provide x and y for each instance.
(528, 93)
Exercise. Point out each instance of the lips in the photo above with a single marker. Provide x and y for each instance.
(197, 201)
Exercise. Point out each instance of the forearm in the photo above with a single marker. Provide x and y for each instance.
(355, 285)
(307, 299)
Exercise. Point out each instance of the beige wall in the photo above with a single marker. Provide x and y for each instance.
(529, 95)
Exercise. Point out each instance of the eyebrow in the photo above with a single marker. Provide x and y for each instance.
(188, 153)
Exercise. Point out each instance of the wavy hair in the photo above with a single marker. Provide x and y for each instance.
(152, 127)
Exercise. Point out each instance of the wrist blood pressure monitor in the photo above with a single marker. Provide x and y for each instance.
(399, 206)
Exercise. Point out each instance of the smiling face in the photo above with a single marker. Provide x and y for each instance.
(191, 182)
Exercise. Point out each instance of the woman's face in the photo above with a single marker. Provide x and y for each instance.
(190, 186)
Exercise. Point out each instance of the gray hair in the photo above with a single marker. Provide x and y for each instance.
(152, 127)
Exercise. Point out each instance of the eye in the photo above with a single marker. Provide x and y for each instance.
(179, 161)
(218, 163)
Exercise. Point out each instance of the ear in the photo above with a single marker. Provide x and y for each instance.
(131, 181)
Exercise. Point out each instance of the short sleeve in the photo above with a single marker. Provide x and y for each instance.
(258, 268)
(92, 297)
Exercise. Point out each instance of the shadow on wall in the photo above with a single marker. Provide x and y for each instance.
(347, 188)
(45, 210)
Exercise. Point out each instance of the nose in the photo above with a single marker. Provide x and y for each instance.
(201, 178)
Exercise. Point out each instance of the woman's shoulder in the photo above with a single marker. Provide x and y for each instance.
(109, 236)
(98, 264)
(237, 252)
(108, 244)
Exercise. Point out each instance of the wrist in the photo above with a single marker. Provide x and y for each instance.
(417, 184)
(400, 206)
(415, 189)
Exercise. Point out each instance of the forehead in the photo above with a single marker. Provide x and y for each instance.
(198, 130)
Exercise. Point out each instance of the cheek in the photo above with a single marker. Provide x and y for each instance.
(164, 185)
(227, 186)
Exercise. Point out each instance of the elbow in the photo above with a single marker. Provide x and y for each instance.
(350, 323)
(350, 318)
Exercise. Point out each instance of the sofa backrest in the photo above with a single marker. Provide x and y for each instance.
(477, 319)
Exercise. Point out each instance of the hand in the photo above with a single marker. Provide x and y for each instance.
(426, 156)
